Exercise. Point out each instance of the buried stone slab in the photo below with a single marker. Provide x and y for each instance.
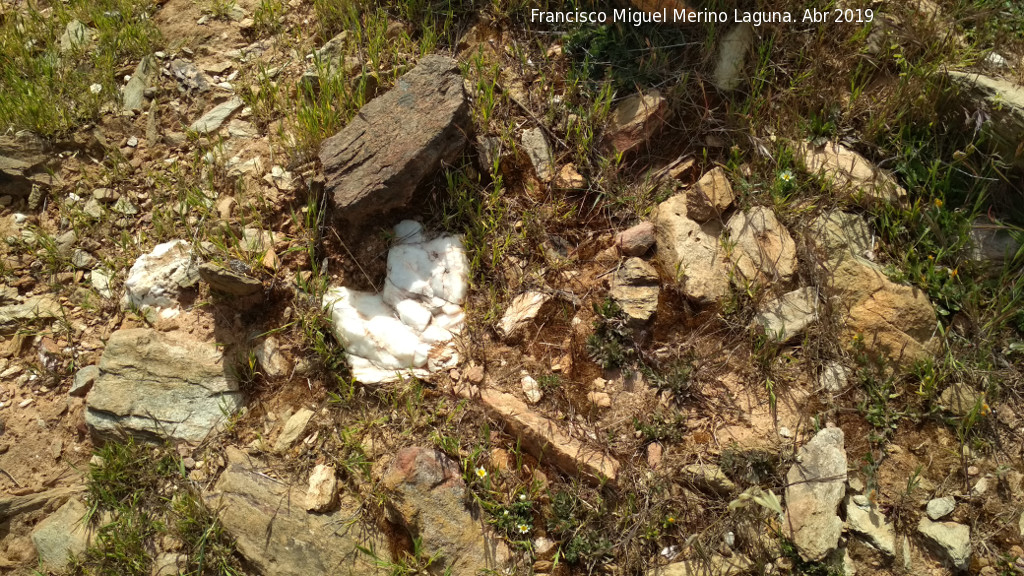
(408, 328)
(635, 120)
(34, 309)
(950, 539)
(268, 520)
(539, 152)
(993, 243)
(428, 498)
(892, 319)
(837, 236)
(787, 316)
(867, 520)
(708, 478)
(815, 486)
(546, 441)
(213, 119)
(161, 385)
(733, 52)
(397, 140)
(1000, 103)
(849, 173)
(691, 252)
(713, 565)
(763, 251)
(63, 534)
(961, 400)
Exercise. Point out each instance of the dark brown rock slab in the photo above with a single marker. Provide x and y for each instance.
(428, 497)
(398, 140)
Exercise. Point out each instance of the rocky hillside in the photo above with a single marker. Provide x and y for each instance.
(385, 287)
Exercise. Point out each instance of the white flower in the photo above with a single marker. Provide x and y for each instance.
(481, 473)
(786, 176)
(523, 528)
(522, 497)
(96, 88)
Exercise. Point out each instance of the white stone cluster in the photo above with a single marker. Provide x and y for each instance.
(156, 279)
(408, 328)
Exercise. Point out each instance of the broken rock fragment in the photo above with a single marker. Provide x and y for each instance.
(636, 240)
(849, 173)
(787, 316)
(891, 319)
(232, 279)
(691, 252)
(763, 251)
(523, 309)
(293, 429)
(866, 519)
(636, 119)
(408, 328)
(815, 486)
(710, 196)
(547, 442)
(323, 487)
(951, 539)
(635, 288)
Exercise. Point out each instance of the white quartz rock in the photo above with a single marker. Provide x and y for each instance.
(157, 279)
(409, 326)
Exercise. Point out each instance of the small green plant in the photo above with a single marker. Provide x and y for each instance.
(753, 467)
(221, 9)
(881, 390)
(268, 16)
(514, 519)
(411, 562)
(903, 511)
(139, 494)
(661, 427)
(677, 377)
(572, 520)
(549, 383)
(610, 345)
